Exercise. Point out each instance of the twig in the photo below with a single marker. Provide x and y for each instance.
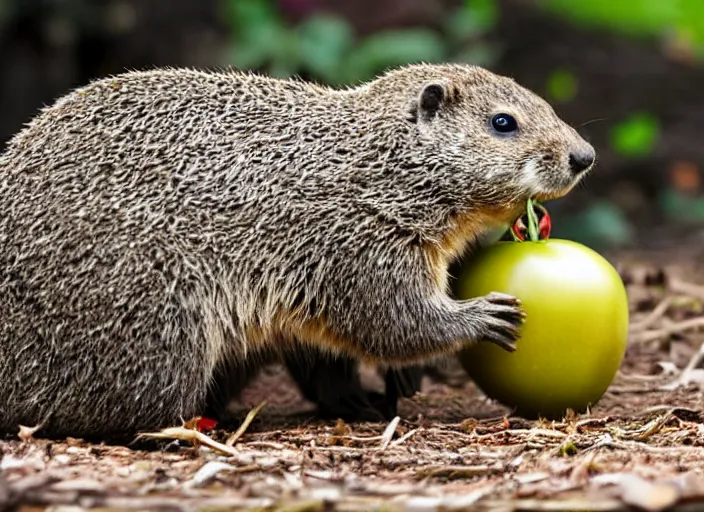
(265, 444)
(193, 436)
(536, 432)
(389, 432)
(653, 427)
(646, 431)
(683, 378)
(674, 328)
(248, 419)
(653, 316)
(630, 390)
(341, 449)
(693, 290)
(404, 437)
(593, 422)
(557, 505)
(370, 439)
(605, 441)
(453, 472)
(637, 377)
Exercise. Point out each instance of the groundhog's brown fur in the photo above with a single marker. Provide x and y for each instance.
(159, 229)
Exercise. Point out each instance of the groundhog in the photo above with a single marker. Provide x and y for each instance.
(162, 231)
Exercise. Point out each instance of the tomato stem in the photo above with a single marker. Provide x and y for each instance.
(533, 231)
(529, 226)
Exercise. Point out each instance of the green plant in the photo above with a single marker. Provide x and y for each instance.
(562, 85)
(635, 136)
(325, 48)
(681, 207)
(601, 224)
(658, 19)
(261, 37)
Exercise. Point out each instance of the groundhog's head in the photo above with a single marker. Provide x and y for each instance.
(489, 131)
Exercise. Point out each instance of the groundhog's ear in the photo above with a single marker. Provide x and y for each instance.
(433, 97)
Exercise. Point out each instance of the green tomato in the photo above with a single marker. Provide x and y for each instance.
(576, 329)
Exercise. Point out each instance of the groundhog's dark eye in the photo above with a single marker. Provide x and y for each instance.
(504, 123)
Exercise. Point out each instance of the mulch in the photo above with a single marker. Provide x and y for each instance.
(640, 448)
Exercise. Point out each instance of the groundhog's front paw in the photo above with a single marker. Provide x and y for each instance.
(501, 319)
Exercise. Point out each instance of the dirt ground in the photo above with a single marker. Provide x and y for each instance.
(640, 448)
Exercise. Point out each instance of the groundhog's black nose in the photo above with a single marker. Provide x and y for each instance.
(581, 160)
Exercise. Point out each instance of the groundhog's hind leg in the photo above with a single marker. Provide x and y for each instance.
(403, 383)
(334, 385)
(230, 378)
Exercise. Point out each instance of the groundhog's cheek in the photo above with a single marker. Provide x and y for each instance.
(550, 160)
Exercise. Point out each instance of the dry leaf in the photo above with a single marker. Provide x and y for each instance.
(209, 471)
(26, 434)
(641, 493)
(245, 424)
(389, 433)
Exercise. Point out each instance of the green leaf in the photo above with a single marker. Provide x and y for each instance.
(390, 48)
(484, 12)
(324, 42)
(681, 207)
(601, 224)
(636, 136)
(636, 17)
(286, 57)
(640, 18)
(259, 47)
(562, 85)
(476, 19)
(246, 15)
(691, 20)
(245, 56)
(260, 38)
(606, 220)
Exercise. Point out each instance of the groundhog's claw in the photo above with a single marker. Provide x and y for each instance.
(502, 298)
(504, 317)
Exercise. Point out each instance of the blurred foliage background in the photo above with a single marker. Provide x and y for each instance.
(628, 74)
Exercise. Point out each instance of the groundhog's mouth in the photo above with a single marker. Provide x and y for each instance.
(548, 183)
(548, 194)
(551, 194)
